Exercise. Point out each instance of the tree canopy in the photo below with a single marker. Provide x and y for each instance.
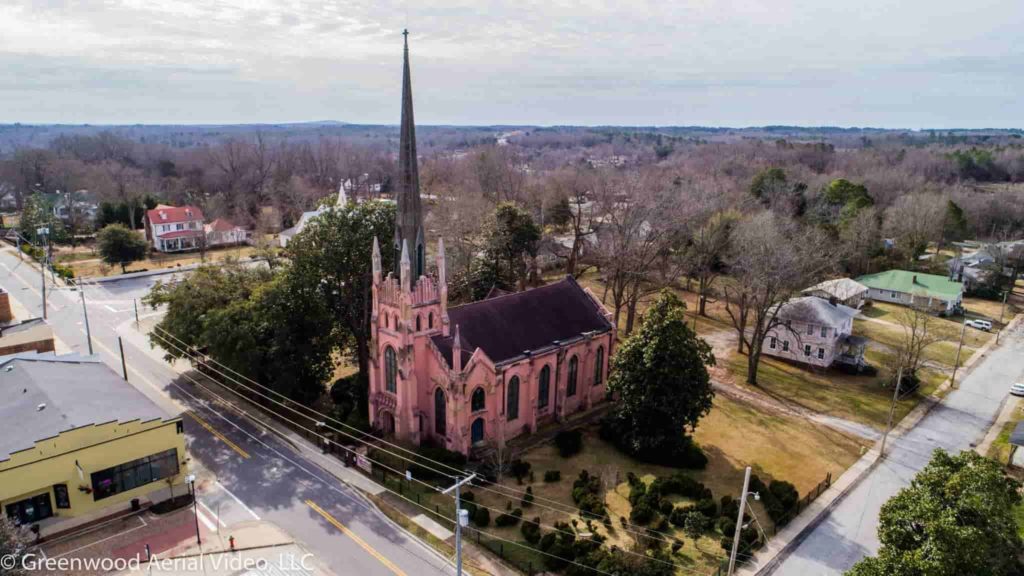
(660, 375)
(119, 245)
(955, 518)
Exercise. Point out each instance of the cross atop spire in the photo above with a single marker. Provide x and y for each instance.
(409, 219)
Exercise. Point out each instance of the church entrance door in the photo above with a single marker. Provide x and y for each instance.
(388, 423)
(477, 431)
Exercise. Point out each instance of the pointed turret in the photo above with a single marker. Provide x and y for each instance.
(442, 285)
(376, 261)
(457, 351)
(404, 268)
(409, 217)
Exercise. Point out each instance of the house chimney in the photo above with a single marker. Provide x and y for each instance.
(915, 279)
(833, 300)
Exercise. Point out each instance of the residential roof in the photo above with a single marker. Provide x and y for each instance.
(301, 225)
(813, 310)
(180, 234)
(914, 283)
(223, 225)
(510, 325)
(73, 391)
(164, 214)
(841, 288)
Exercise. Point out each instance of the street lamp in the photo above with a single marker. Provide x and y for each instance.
(195, 510)
(739, 520)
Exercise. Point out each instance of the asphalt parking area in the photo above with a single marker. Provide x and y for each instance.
(94, 550)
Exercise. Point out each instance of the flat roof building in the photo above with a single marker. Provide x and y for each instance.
(77, 441)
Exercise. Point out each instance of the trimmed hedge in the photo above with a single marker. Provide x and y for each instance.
(569, 442)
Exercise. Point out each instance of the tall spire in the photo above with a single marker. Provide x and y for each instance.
(409, 219)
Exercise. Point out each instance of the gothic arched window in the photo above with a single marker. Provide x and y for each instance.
(430, 321)
(440, 413)
(478, 401)
(574, 364)
(390, 370)
(512, 402)
(419, 322)
(599, 367)
(544, 388)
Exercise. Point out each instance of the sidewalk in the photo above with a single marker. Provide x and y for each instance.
(776, 550)
(260, 548)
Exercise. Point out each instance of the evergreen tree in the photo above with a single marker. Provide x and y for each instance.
(661, 379)
(955, 518)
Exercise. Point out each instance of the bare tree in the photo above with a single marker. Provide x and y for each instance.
(572, 186)
(706, 253)
(637, 227)
(919, 327)
(914, 221)
(771, 260)
(861, 239)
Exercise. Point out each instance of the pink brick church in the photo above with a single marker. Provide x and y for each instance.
(480, 373)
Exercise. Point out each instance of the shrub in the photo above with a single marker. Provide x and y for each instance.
(482, 517)
(730, 506)
(707, 507)
(678, 515)
(676, 545)
(519, 469)
(468, 503)
(726, 525)
(665, 507)
(587, 494)
(781, 501)
(509, 519)
(531, 530)
(641, 513)
(569, 442)
(695, 524)
(552, 475)
(439, 454)
(527, 500)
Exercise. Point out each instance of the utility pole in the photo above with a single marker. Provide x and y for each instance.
(85, 314)
(124, 366)
(44, 232)
(892, 409)
(963, 328)
(459, 520)
(135, 304)
(739, 523)
(192, 483)
(1002, 310)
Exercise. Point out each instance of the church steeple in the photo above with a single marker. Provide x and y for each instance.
(409, 218)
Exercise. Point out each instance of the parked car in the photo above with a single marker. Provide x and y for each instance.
(1017, 389)
(980, 324)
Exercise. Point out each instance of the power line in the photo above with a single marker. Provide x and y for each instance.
(400, 474)
(568, 509)
(232, 406)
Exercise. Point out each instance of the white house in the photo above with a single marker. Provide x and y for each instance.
(815, 331)
(175, 228)
(222, 232)
(844, 290)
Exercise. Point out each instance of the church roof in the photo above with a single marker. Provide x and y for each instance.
(508, 326)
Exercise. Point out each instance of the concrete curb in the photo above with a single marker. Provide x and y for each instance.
(908, 422)
(158, 272)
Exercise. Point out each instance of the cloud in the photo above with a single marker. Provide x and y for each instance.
(727, 62)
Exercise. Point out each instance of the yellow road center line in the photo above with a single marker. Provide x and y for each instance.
(223, 438)
(355, 538)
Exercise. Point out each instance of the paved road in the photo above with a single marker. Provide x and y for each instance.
(848, 533)
(257, 474)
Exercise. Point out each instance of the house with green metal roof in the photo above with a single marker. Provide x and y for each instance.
(937, 293)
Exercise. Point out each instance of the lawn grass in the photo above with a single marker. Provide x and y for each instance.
(157, 261)
(1000, 448)
(733, 436)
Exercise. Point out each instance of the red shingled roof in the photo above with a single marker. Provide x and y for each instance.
(222, 225)
(508, 325)
(163, 214)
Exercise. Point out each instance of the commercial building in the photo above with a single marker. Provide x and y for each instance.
(79, 443)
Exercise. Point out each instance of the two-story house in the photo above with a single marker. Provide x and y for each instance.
(815, 331)
(175, 228)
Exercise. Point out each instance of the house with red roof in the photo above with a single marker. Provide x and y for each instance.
(175, 228)
(223, 232)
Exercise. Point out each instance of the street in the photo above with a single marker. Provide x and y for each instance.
(848, 532)
(258, 476)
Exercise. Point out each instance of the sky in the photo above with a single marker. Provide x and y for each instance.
(879, 63)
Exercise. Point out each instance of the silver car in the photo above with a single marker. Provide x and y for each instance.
(980, 324)
(1017, 389)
